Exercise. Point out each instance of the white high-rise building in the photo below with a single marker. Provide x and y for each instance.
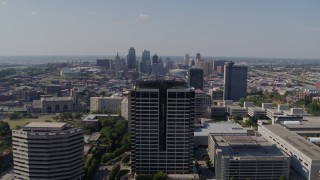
(48, 151)
(162, 116)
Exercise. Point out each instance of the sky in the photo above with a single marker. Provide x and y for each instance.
(239, 28)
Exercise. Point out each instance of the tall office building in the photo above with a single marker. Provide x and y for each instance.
(119, 64)
(161, 118)
(219, 63)
(145, 65)
(195, 78)
(235, 82)
(48, 151)
(131, 58)
(157, 65)
(186, 59)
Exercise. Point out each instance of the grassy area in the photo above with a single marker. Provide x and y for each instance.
(20, 122)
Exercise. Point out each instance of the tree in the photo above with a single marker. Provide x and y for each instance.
(4, 128)
(282, 178)
(78, 115)
(125, 159)
(14, 115)
(232, 178)
(160, 176)
(114, 171)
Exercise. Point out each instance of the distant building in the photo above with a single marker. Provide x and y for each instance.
(195, 78)
(186, 59)
(235, 82)
(119, 64)
(220, 64)
(157, 65)
(202, 102)
(70, 71)
(47, 151)
(131, 58)
(109, 104)
(216, 94)
(107, 63)
(92, 120)
(169, 64)
(246, 157)
(145, 64)
(54, 105)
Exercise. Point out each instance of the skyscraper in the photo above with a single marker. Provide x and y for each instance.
(216, 64)
(145, 65)
(195, 78)
(48, 151)
(131, 58)
(162, 124)
(186, 59)
(235, 81)
(119, 64)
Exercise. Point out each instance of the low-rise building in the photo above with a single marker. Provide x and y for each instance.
(202, 102)
(108, 104)
(55, 105)
(246, 157)
(217, 111)
(235, 110)
(256, 112)
(201, 132)
(305, 156)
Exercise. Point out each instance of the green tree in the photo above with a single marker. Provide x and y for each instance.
(160, 176)
(77, 115)
(125, 159)
(282, 178)
(114, 171)
(232, 178)
(14, 115)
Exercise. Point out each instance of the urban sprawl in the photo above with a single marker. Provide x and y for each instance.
(157, 118)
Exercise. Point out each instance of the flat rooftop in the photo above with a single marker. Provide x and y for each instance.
(246, 146)
(44, 126)
(304, 146)
(311, 123)
(94, 117)
(219, 128)
(257, 109)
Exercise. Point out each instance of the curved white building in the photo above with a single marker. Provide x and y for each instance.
(48, 151)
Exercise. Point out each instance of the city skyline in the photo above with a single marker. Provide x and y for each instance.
(286, 29)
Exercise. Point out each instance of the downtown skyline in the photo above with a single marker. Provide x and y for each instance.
(286, 29)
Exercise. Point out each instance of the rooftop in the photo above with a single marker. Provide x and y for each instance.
(44, 126)
(219, 128)
(56, 99)
(304, 146)
(247, 146)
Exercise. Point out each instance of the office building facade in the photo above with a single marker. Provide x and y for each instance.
(131, 58)
(48, 151)
(195, 78)
(235, 82)
(246, 157)
(305, 156)
(162, 114)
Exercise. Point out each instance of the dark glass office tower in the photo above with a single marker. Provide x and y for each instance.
(131, 58)
(195, 77)
(235, 81)
(162, 124)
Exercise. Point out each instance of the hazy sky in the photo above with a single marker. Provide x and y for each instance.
(270, 28)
